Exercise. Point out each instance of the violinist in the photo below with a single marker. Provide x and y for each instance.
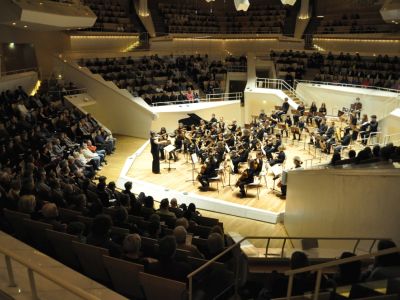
(155, 151)
(283, 184)
(313, 112)
(273, 146)
(284, 109)
(246, 177)
(259, 162)
(208, 170)
(280, 157)
(242, 156)
(232, 127)
(163, 138)
(288, 123)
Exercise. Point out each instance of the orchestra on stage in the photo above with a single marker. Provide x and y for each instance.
(218, 145)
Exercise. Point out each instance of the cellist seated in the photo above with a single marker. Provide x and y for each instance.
(208, 170)
(247, 177)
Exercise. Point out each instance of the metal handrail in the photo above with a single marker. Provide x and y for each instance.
(320, 267)
(209, 97)
(357, 241)
(18, 71)
(275, 83)
(388, 138)
(236, 68)
(297, 81)
(224, 96)
(32, 268)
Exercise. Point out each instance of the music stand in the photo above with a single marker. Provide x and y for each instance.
(194, 160)
(168, 150)
(295, 130)
(277, 171)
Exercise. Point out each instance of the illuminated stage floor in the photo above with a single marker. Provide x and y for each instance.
(178, 183)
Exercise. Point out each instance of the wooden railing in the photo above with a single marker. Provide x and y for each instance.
(285, 241)
(32, 268)
(320, 267)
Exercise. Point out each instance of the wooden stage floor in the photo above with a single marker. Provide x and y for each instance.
(179, 179)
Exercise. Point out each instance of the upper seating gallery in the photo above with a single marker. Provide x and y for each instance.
(261, 17)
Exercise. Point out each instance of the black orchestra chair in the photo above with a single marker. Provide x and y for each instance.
(156, 287)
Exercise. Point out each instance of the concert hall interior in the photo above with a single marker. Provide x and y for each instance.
(199, 149)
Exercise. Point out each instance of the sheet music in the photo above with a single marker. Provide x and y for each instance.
(195, 159)
(169, 148)
(276, 169)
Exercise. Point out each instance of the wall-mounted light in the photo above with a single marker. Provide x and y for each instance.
(11, 45)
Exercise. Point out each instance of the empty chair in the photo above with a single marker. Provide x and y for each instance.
(149, 246)
(68, 215)
(91, 260)
(156, 288)
(201, 231)
(204, 221)
(36, 234)
(61, 244)
(309, 244)
(14, 220)
(124, 276)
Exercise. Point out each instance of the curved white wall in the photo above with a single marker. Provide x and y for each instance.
(343, 203)
(336, 97)
(117, 109)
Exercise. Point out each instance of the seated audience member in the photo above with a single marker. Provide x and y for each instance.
(77, 229)
(120, 219)
(302, 282)
(153, 229)
(167, 266)
(131, 249)
(335, 158)
(50, 215)
(164, 209)
(27, 205)
(349, 273)
(180, 234)
(148, 208)
(99, 235)
(175, 209)
(215, 245)
(182, 222)
(385, 266)
(127, 191)
(352, 154)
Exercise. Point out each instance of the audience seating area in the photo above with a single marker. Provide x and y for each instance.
(52, 199)
(188, 18)
(110, 16)
(368, 21)
(164, 79)
(379, 71)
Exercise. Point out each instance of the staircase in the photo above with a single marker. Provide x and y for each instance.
(290, 21)
(292, 95)
(158, 20)
(135, 18)
(311, 28)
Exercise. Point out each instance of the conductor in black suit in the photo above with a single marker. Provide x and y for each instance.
(155, 151)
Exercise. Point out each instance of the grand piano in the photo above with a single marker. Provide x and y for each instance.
(193, 119)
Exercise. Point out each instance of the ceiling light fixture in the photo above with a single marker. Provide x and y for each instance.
(288, 2)
(242, 5)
